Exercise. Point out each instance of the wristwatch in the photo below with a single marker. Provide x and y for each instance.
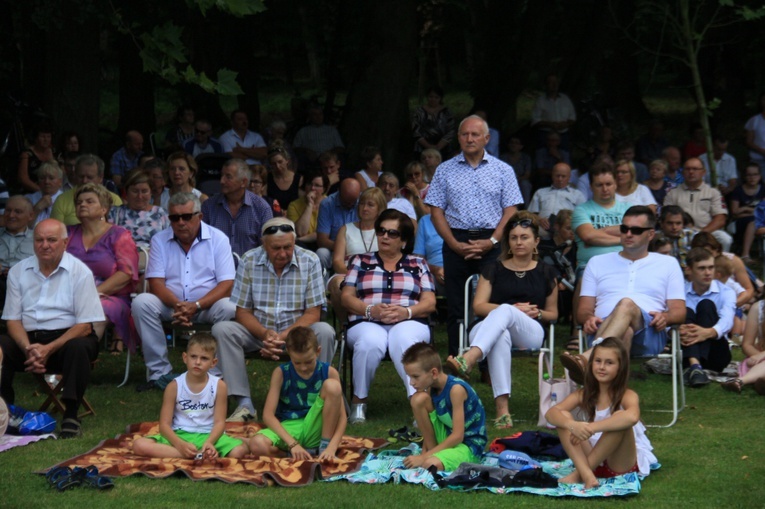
(539, 316)
(199, 306)
(494, 241)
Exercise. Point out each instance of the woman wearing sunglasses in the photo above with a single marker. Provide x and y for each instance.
(389, 296)
(514, 296)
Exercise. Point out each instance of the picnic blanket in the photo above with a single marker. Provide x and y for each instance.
(114, 458)
(11, 441)
(389, 466)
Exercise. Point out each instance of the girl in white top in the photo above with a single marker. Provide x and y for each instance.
(612, 440)
(627, 188)
(368, 176)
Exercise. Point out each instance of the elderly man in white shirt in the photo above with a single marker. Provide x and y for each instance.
(550, 200)
(51, 305)
(190, 273)
(241, 143)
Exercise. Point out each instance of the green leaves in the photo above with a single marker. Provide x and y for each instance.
(238, 8)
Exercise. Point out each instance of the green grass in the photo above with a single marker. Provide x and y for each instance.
(711, 458)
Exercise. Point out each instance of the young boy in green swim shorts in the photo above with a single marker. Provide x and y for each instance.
(304, 408)
(193, 414)
(448, 412)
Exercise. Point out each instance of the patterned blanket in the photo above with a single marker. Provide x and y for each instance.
(389, 466)
(114, 457)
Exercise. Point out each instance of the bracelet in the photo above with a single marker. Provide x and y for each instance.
(368, 313)
(409, 312)
(293, 445)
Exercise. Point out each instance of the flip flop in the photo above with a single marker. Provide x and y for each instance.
(457, 366)
(403, 434)
(573, 344)
(576, 365)
(504, 421)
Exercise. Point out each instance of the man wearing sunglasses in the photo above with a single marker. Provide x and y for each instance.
(190, 273)
(471, 197)
(202, 142)
(278, 286)
(632, 294)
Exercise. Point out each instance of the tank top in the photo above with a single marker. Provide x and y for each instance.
(475, 417)
(358, 241)
(195, 413)
(284, 197)
(645, 456)
(297, 395)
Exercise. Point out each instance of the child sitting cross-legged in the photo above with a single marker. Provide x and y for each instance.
(612, 441)
(193, 414)
(304, 408)
(448, 412)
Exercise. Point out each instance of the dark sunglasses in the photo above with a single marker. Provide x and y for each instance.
(392, 234)
(523, 223)
(174, 218)
(286, 228)
(634, 230)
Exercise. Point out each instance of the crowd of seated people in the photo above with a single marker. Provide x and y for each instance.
(375, 241)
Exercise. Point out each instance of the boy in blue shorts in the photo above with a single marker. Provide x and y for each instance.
(447, 410)
(193, 414)
(304, 408)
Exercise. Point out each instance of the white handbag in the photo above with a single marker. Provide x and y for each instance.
(551, 390)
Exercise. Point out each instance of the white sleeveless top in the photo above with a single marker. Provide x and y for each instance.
(645, 456)
(358, 241)
(366, 177)
(195, 413)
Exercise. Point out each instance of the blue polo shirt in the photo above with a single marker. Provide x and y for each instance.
(332, 215)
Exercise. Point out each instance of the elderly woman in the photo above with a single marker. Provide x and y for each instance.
(137, 215)
(304, 211)
(50, 179)
(283, 184)
(32, 157)
(373, 163)
(389, 296)
(181, 170)
(432, 123)
(657, 183)
(353, 239)
(110, 253)
(416, 189)
(514, 297)
(258, 187)
(389, 185)
(627, 188)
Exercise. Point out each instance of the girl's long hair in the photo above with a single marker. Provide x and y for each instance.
(591, 389)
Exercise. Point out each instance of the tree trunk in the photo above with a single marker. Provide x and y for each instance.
(377, 109)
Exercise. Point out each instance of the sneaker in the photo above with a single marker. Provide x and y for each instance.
(697, 378)
(358, 413)
(243, 414)
(148, 386)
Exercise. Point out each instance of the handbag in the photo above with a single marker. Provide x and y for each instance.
(551, 390)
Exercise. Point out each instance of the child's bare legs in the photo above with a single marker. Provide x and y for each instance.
(755, 372)
(502, 404)
(333, 413)
(422, 406)
(260, 445)
(748, 240)
(150, 448)
(240, 451)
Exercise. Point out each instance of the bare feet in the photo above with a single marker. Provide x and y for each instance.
(591, 483)
(572, 478)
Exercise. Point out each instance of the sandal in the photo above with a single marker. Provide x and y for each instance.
(573, 344)
(404, 434)
(70, 428)
(89, 477)
(117, 347)
(57, 474)
(503, 422)
(576, 365)
(733, 385)
(457, 366)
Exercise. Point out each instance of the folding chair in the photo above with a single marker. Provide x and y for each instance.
(676, 356)
(54, 397)
(143, 251)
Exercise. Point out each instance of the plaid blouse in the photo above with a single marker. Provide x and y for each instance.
(375, 285)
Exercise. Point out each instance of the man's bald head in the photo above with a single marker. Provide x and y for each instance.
(350, 190)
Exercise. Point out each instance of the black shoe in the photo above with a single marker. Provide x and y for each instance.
(698, 378)
(151, 384)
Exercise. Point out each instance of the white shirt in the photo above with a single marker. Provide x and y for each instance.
(195, 412)
(403, 206)
(44, 213)
(725, 168)
(66, 297)
(757, 125)
(558, 109)
(551, 200)
(229, 140)
(640, 196)
(190, 276)
(650, 282)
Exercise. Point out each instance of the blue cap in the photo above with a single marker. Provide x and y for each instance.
(514, 460)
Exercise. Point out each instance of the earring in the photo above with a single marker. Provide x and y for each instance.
(535, 251)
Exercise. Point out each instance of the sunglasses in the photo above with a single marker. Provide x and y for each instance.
(634, 230)
(286, 228)
(174, 218)
(523, 223)
(392, 234)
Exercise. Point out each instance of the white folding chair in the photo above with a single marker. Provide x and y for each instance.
(678, 388)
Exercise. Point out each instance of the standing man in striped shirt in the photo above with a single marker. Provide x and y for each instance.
(472, 196)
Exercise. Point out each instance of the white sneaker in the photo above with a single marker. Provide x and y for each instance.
(243, 414)
(358, 413)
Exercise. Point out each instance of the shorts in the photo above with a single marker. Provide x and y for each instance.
(604, 471)
(453, 457)
(224, 445)
(647, 342)
(307, 431)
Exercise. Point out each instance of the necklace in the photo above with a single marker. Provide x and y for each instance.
(520, 274)
(368, 248)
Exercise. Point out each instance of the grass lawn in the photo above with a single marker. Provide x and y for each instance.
(709, 458)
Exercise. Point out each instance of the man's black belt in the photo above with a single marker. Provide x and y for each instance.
(45, 334)
(475, 231)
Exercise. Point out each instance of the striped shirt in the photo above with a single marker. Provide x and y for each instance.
(278, 301)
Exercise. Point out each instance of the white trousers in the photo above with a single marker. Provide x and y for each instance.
(504, 328)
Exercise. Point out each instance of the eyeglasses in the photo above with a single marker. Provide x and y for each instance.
(634, 230)
(392, 234)
(523, 223)
(174, 218)
(286, 228)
